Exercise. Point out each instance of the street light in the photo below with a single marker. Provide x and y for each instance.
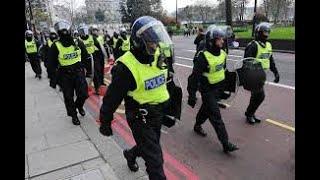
(176, 12)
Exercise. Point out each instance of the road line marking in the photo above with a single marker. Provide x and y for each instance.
(269, 83)
(235, 55)
(281, 85)
(281, 125)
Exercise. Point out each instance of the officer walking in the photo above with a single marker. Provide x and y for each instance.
(140, 80)
(52, 37)
(66, 55)
(123, 43)
(113, 43)
(209, 73)
(260, 49)
(32, 54)
(100, 55)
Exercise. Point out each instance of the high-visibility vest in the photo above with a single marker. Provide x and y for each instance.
(216, 67)
(115, 40)
(264, 54)
(125, 44)
(150, 80)
(31, 47)
(89, 43)
(68, 55)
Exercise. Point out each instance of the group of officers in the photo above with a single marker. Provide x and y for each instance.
(141, 75)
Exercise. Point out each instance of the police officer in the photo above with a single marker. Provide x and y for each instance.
(123, 43)
(113, 43)
(53, 36)
(100, 55)
(32, 54)
(139, 79)
(209, 73)
(65, 57)
(260, 49)
(91, 46)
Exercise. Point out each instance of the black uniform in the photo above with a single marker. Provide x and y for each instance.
(118, 48)
(257, 96)
(71, 78)
(147, 136)
(198, 39)
(210, 96)
(98, 64)
(34, 59)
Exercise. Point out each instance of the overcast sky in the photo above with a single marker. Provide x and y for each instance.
(169, 5)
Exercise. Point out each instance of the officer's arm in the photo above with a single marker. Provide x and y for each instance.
(53, 63)
(119, 44)
(84, 53)
(96, 43)
(122, 82)
(200, 66)
(273, 67)
(251, 50)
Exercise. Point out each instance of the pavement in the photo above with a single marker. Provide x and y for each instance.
(266, 149)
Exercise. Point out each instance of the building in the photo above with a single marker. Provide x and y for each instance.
(110, 8)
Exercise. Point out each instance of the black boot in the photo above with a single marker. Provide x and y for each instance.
(81, 111)
(250, 119)
(75, 120)
(198, 129)
(221, 105)
(229, 147)
(131, 161)
(256, 119)
(39, 76)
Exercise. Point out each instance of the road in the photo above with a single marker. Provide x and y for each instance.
(266, 149)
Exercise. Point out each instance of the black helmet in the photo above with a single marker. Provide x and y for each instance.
(212, 34)
(147, 33)
(263, 30)
(123, 33)
(62, 27)
(115, 34)
(83, 30)
(29, 34)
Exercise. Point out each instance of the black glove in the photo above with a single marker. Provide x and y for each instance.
(105, 127)
(192, 101)
(53, 85)
(276, 77)
(105, 130)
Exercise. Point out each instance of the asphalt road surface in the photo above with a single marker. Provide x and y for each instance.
(266, 149)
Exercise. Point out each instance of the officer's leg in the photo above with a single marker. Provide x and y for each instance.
(38, 67)
(256, 99)
(102, 71)
(152, 154)
(216, 121)
(67, 86)
(81, 88)
(215, 116)
(96, 76)
(33, 65)
(201, 117)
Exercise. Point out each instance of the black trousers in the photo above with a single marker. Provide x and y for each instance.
(35, 65)
(70, 82)
(147, 137)
(210, 109)
(98, 72)
(101, 78)
(256, 99)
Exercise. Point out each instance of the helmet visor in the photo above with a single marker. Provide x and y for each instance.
(152, 34)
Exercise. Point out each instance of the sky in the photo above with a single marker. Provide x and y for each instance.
(169, 5)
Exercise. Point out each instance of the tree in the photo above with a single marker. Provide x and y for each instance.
(133, 9)
(70, 5)
(204, 9)
(99, 15)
